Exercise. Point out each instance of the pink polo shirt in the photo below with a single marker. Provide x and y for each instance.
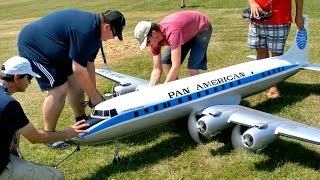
(178, 28)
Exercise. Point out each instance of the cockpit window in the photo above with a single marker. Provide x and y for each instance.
(98, 113)
(105, 113)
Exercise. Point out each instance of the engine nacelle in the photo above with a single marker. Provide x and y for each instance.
(124, 89)
(257, 138)
(213, 122)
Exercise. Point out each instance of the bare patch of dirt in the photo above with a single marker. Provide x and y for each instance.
(116, 50)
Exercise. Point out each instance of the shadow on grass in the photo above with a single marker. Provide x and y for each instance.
(142, 138)
(291, 93)
(281, 152)
(166, 149)
(225, 138)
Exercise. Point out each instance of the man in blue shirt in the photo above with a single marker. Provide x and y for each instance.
(62, 47)
(15, 76)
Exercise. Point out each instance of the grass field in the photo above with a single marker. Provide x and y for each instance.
(166, 152)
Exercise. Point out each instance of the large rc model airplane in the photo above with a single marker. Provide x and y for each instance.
(211, 100)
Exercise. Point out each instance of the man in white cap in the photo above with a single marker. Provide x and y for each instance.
(182, 31)
(15, 76)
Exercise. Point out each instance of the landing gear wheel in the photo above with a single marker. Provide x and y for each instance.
(116, 158)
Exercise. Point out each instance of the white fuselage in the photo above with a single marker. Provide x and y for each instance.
(149, 107)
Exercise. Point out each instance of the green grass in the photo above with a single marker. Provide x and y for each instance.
(166, 152)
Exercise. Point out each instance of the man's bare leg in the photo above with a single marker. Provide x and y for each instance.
(53, 105)
(273, 92)
(262, 53)
(182, 4)
(75, 97)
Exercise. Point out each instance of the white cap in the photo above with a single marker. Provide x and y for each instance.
(141, 32)
(18, 65)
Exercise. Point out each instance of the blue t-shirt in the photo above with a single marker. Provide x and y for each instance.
(12, 118)
(61, 36)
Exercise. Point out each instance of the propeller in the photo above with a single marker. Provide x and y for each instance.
(193, 127)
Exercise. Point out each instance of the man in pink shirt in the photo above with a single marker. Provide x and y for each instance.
(182, 32)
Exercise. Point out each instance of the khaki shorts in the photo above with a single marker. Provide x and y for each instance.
(18, 168)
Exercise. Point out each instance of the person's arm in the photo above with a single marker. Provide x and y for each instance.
(255, 8)
(156, 71)
(299, 16)
(39, 136)
(91, 69)
(84, 79)
(176, 63)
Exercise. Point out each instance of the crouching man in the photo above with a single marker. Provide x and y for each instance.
(15, 76)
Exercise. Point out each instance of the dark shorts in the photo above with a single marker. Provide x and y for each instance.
(198, 51)
(52, 77)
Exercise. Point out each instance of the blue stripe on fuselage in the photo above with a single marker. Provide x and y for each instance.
(184, 99)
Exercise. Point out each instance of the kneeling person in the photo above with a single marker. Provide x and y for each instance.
(15, 76)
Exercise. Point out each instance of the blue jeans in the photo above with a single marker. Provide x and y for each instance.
(198, 50)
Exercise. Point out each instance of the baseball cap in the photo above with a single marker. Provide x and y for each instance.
(141, 32)
(18, 65)
(117, 21)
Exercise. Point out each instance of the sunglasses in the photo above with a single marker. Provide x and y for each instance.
(30, 77)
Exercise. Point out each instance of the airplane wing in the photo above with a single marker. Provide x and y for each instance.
(255, 129)
(285, 127)
(315, 67)
(126, 83)
(120, 78)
